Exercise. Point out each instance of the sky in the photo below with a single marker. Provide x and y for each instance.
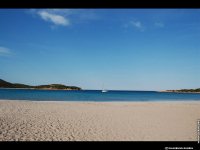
(119, 49)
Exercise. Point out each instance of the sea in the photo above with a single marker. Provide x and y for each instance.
(95, 95)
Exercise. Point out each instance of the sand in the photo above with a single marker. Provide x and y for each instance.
(98, 121)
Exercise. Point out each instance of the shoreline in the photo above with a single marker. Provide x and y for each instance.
(22, 120)
(89, 101)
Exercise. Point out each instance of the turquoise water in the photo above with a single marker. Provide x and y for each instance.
(94, 95)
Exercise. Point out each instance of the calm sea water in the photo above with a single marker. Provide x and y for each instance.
(94, 95)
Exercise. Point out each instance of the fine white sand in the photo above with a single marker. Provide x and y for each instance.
(94, 121)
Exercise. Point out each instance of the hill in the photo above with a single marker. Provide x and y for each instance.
(5, 84)
(185, 90)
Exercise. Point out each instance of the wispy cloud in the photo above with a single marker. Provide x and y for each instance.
(54, 18)
(136, 24)
(159, 24)
(5, 51)
(65, 17)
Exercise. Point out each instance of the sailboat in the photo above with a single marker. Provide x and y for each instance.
(103, 91)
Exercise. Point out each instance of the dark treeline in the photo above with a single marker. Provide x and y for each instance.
(5, 84)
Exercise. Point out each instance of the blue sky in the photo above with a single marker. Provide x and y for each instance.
(122, 49)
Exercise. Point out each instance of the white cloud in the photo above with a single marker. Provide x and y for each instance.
(65, 17)
(159, 24)
(140, 27)
(54, 18)
(137, 25)
(4, 51)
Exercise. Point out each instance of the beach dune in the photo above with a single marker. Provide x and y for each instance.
(98, 121)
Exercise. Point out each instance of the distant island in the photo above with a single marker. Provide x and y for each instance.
(184, 91)
(5, 84)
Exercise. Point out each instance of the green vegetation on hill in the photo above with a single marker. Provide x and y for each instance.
(5, 84)
(18, 85)
(185, 90)
(57, 86)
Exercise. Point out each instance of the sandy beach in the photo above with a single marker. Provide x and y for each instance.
(94, 121)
